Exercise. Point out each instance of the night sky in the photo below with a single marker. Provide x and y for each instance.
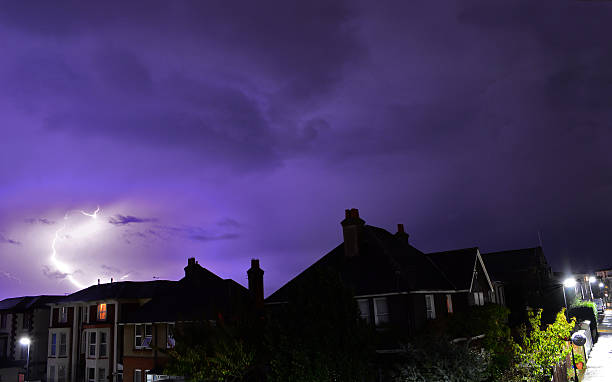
(235, 130)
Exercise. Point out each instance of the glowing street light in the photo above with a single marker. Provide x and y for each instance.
(568, 283)
(601, 285)
(25, 341)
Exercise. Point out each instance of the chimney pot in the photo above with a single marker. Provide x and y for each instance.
(191, 261)
(98, 281)
(400, 228)
(255, 276)
(111, 280)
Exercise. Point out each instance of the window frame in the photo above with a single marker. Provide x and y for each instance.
(61, 377)
(101, 344)
(366, 316)
(143, 336)
(170, 341)
(92, 345)
(62, 315)
(51, 375)
(430, 302)
(63, 345)
(89, 376)
(139, 372)
(101, 314)
(377, 315)
(53, 345)
(98, 377)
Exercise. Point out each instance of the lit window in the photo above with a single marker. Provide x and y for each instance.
(101, 312)
(430, 306)
(62, 345)
(364, 310)
(92, 344)
(53, 345)
(381, 311)
(449, 303)
(102, 352)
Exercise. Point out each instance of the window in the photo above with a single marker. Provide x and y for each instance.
(478, 298)
(62, 345)
(63, 315)
(101, 374)
(170, 343)
(51, 376)
(101, 312)
(143, 334)
(137, 375)
(61, 373)
(381, 311)
(3, 320)
(449, 303)
(92, 344)
(430, 306)
(364, 310)
(91, 374)
(102, 352)
(149, 376)
(53, 344)
(3, 347)
(27, 320)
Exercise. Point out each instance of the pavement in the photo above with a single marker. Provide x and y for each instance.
(599, 365)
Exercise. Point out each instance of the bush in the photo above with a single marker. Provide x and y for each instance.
(441, 361)
(580, 303)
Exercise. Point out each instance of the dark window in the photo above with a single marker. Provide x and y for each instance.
(3, 320)
(102, 352)
(53, 344)
(62, 346)
(381, 311)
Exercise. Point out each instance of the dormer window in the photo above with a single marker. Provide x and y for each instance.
(101, 312)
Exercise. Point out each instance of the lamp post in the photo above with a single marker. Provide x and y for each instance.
(591, 280)
(568, 283)
(25, 341)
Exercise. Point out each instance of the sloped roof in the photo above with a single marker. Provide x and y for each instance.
(385, 264)
(457, 265)
(19, 304)
(120, 290)
(188, 301)
(504, 264)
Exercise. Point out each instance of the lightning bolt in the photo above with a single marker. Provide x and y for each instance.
(63, 267)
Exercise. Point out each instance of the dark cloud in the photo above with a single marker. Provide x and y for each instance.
(195, 233)
(6, 240)
(110, 268)
(54, 274)
(120, 220)
(228, 222)
(40, 220)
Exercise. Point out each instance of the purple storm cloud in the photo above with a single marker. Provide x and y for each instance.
(246, 128)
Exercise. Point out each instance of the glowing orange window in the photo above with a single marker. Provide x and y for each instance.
(101, 312)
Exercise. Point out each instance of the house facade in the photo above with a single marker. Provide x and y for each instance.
(114, 331)
(21, 318)
(395, 284)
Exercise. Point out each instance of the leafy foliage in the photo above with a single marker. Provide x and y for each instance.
(208, 353)
(540, 350)
(441, 361)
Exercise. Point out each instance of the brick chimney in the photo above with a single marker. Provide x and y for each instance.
(255, 275)
(401, 234)
(352, 227)
(190, 269)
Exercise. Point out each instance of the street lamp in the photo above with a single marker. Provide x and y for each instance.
(25, 341)
(591, 280)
